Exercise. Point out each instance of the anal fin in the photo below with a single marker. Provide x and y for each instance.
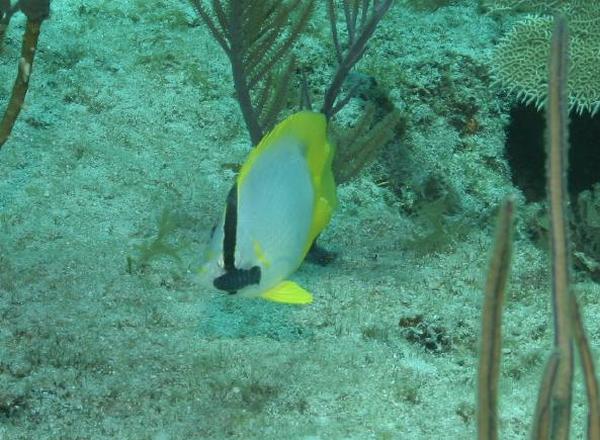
(288, 292)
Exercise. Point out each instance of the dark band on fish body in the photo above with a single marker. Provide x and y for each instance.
(237, 279)
(230, 229)
(233, 279)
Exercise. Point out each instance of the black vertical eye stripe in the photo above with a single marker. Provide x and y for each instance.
(233, 279)
(230, 230)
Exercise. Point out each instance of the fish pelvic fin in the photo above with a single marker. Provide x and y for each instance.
(288, 292)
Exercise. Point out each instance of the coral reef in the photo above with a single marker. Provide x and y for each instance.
(520, 58)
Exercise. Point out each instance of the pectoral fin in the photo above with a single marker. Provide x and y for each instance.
(288, 292)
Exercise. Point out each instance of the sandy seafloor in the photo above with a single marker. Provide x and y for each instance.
(130, 113)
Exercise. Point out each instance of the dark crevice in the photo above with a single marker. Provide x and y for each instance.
(526, 154)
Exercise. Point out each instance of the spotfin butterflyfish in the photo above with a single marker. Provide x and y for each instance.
(282, 198)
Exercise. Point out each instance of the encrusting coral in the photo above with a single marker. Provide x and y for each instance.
(519, 62)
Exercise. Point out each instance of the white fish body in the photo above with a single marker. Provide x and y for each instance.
(283, 197)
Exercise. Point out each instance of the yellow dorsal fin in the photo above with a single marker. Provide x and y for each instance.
(310, 128)
(288, 292)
